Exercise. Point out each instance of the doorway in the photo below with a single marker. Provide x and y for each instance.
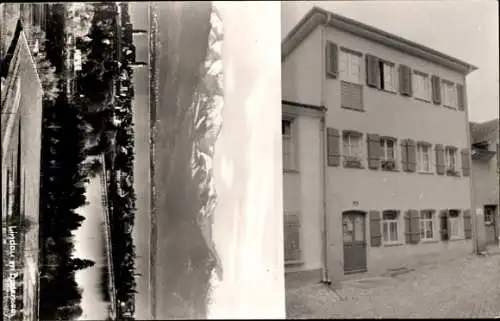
(490, 224)
(355, 255)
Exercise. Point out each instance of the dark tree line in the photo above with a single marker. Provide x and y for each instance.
(62, 190)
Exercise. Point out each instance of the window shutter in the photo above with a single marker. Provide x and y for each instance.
(372, 71)
(461, 97)
(405, 80)
(440, 159)
(465, 162)
(333, 146)
(292, 237)
(408, 227)
(375, 229)
(404, 155)
(331, 60)
(374, 151)
(436, 89)
(411, 156)
(415, 226)
(467, 224)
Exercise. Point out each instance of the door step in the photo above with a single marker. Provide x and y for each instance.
(398, 271)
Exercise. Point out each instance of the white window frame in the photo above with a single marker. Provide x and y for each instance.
(350, 66)
(420, 158)
(390, 76)
(448, 152)
(449, 93)
(421, 86)
(353, 151)
(455, 225)
(388, 223)
(424, 225)
(289, 150)
(385, 149)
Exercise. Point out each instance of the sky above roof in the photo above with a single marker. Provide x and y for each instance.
(464, 29)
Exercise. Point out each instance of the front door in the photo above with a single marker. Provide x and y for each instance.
(353, 225)
(490, 224)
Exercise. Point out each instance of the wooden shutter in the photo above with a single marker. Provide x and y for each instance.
(461, 97)
(408, 227)
(467, 224)
(415, 226)
(333, 146)
(292, 237)
(465, 162)
(372, 71)
(436, 89)
(374, 150)
(375, 228)
(404, 155)
(405, 80)
(331, 62)
(440, 166)
(411, 156)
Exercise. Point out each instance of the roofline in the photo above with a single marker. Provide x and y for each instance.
(317, 16)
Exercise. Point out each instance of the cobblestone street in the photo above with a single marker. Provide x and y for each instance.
(461, 288)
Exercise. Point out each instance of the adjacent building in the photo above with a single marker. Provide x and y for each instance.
(376, 151)
(485, 177)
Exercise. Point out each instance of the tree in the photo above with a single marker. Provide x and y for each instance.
(79, 264)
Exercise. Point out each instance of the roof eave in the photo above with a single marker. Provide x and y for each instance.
(317, 16)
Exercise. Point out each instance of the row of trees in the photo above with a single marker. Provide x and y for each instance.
(63, 178)
(107, 94)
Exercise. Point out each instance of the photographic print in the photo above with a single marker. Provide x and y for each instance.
(140, 178)
(390, 159)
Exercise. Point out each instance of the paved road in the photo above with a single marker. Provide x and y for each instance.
(461, 288)
(142, 184)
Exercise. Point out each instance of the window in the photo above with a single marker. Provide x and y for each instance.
(387, 148)
(350, 66)
(455, 224)
(288, 145)
(424, 158)
(390, 231)
(449, 93)
(421, 86)
(450, 158)
(351, 145)
(388, 76)
(426, 225)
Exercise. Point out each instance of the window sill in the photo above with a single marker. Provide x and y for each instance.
(394, 92)
(295, 171)
(392, 244)
(422, 100)
(428, 241)
(346, 165)
(354, 109)
(449, 107)
(294, 262)
(425, 173)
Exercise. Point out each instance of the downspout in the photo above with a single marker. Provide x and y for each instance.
(325, 275)
(475, 232)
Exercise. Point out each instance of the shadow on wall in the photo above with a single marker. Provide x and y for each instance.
(184, 259)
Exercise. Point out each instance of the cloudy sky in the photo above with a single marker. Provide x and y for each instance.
(465, 29)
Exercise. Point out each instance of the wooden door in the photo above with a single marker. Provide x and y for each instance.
(353, 226)
(490, 224)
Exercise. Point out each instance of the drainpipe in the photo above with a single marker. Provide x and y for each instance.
(474, 222)
(325, 276)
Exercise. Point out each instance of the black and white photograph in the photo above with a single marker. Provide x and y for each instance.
(167, 160)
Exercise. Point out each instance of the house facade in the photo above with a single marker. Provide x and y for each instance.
(375, 150)
(485, 179)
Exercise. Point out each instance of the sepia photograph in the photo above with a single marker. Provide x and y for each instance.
(390, 159)
(167, 160)
(139, 180)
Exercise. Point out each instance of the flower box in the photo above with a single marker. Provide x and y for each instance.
(352, 162)
(451, 172)
(388, 165)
